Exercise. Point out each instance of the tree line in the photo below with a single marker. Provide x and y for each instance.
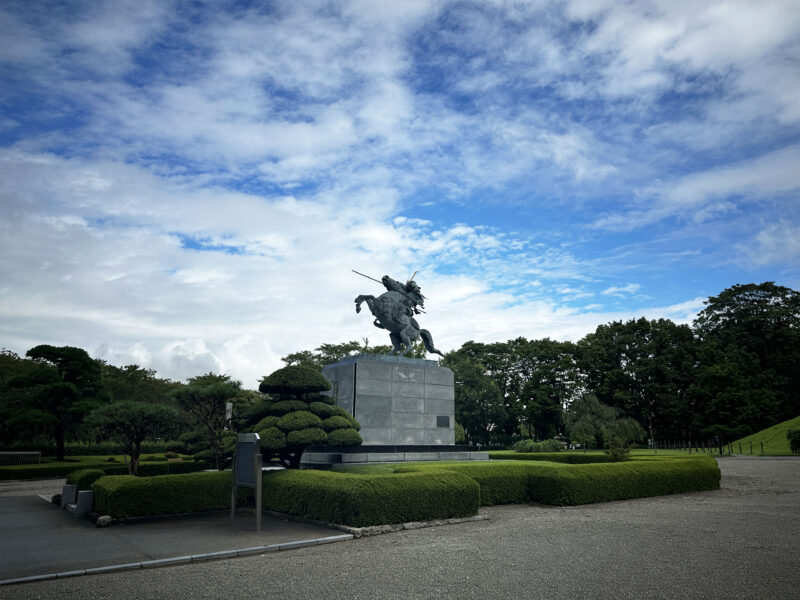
(733, 372)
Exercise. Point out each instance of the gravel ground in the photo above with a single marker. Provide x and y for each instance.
(740, 542)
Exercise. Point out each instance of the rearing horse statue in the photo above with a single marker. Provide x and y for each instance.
(394, 311)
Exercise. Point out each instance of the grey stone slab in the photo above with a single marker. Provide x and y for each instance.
(435, 406)
(412, 405)
(439, 392)
(373, 403)
(354, 457)
(407, 389)
(408, 436)
(69, 494)
(419, 456)
(373, 419)
(375, 370)
(373, 387)
(403, 420)
(85, 503)
(439, 437)
(455, 455)
(335, 538)
(376, 436)
(320, 457)
(409, 374)
(439, 376)
(386, 457)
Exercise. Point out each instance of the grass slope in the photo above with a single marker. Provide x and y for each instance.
(774, 438)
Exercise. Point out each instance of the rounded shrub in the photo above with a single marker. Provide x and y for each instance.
(272, 438)
(336, 422)
(266, 423)
(286, 406)
(340, 412)
(294, 379)
(306, 437)
(301, 419)
(322, 410)
(344, 437)
(84, 478)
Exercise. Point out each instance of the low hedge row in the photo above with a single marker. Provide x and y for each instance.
(42, 471)
(361, 500)
(84, 478)
(513, 482)
(412, 493)
(559, 457)
(356, 500)
(124, 496)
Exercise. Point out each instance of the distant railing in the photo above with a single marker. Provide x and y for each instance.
(20, 458)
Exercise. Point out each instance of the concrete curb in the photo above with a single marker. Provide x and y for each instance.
(358, 532)
(177, 560)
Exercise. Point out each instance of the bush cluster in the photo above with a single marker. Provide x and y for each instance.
(84, 478)
(562, 484)
(123, 496)
(361, 500)
(562, 457)
(109, 468)
(793, 435)
(533, 446)
(299, 416)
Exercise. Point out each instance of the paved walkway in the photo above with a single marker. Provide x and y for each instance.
(741, 542)
(38, 538)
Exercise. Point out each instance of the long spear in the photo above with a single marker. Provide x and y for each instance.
(367, 276)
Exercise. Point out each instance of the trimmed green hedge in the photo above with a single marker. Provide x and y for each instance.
(63, 470)
(84, 478)
(561, 484)
(124, 496)
(44, 470)
(361, 500)
(356, 500)
(560, 457)
(584, 484)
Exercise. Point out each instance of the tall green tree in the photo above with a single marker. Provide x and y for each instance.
(748, 377)
(479, 406)
(644, 369)
(205, 398)
(130, 423)
(63, 388)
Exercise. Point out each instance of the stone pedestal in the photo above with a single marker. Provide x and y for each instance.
(398, 401)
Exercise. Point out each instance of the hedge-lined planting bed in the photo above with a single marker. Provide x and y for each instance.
(413, 492)
(356, 500)
(361, 500)
(562, 484)
(84, 478)
(124, 496)
(64, 469)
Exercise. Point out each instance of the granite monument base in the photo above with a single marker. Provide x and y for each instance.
(405, 407)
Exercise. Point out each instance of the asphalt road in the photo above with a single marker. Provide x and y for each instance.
(740, 542)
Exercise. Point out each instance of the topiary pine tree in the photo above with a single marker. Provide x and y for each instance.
(294, 415)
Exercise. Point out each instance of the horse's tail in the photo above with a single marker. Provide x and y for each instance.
(427, 339)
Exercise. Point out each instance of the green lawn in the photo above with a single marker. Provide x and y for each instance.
(774, 438)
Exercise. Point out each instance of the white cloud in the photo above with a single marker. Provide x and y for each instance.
(614, 290)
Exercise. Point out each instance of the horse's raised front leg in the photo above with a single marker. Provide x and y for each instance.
(364, 298)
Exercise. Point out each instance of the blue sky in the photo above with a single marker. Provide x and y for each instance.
(187, 186)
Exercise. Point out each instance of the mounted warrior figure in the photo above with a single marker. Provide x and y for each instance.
(394, 310)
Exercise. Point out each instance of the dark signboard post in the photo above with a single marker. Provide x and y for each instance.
(247, 470)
